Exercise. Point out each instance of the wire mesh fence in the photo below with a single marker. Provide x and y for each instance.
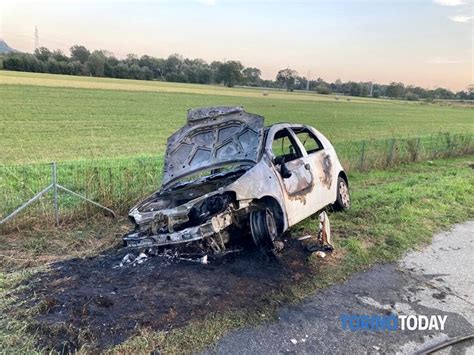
(373, 154)
(114, 183)
(120, 183)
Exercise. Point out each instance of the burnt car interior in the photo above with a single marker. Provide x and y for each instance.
(284, 147)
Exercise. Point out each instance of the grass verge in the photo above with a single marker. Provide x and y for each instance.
(393, 211)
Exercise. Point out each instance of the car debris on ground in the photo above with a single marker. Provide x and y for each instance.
(320, 254)
(320, 243)
(170, 255)
(132, 260)
(202, 260)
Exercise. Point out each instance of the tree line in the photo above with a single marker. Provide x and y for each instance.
(176, 68)
(292, 81)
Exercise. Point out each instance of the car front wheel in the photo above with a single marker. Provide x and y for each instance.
(264, 229)
(343, 199)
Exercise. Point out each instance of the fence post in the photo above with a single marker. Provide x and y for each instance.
(55, 192)
(390, 153)
(362, 156)
(431, 154)
(417, 148)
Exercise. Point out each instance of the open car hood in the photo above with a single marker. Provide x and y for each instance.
(213, 137)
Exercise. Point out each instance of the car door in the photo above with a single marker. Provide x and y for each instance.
(288, 155)
(323, 192)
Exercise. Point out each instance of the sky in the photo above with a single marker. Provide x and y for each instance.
(420, 42)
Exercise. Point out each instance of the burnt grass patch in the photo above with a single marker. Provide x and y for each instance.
(92, 301)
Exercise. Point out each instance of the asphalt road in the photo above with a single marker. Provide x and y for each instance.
(438, 280)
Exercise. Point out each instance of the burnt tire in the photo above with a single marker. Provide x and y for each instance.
(343, 198)
(264, 229)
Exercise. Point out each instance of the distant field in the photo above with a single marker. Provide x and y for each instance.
(53, 117)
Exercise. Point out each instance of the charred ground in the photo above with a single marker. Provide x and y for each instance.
(92, 301)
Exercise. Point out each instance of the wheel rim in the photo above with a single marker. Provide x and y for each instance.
(263, 228)
(271, 226)
(344, 194)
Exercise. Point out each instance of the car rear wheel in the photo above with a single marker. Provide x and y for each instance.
(264, 229)
(343, 198)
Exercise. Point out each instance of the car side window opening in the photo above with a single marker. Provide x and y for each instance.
(308, 140)
(284, 148)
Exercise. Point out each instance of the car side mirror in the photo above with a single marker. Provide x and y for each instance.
(279, 160)
(284, 172)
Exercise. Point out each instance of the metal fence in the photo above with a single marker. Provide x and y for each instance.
(119, 183)
(372, 154)
(114, 183)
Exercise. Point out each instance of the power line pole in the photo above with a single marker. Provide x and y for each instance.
(36, 38)
(307, 80)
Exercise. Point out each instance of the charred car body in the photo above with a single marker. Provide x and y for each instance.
(225, 171)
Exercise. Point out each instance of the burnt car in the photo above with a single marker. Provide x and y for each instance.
(226, 173)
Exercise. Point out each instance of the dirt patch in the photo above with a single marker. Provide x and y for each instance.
(89, 301)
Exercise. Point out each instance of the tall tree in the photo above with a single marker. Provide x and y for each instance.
(287, 77)
(156, 65)
(79, 53)
(132, 59)
(230, 73)
(43, 53)
(395, 90)
(214, 66)
(173, 64)
(354, 88)
(251, 76)
(96, 63)
(59, 56)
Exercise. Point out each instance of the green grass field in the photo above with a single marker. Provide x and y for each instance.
(53, 117)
